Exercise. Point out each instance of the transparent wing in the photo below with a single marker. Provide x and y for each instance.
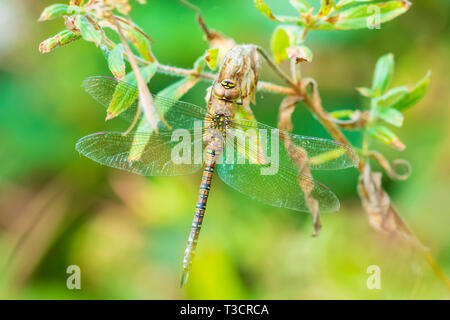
(317, 153)
(148, 154)
(109, 91)
(273, 166)
(285, 188)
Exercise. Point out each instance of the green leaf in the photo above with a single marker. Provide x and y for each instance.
(389, 115)
(382, 76)
(326, 6)
(116, 61)
(414, 95)
(140, 42)
(391, 96)
(282, 38)
(364, 16)
(366, 92)
(265, 10)
(279, 43)
(300, 5)
(179, 88)
(123, 96)
(147, 73)
(386, 136)
(345, 3)
(340, 114)
(88, 31)
(211, 58)
(61, 39)
(58, 10)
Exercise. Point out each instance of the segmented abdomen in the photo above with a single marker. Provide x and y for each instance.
(205, 186)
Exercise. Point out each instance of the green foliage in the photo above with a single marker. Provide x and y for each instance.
(387, 105)
(58, 10)
(386, 136)
(280, 42)
(116, 61)
(61, 39)
(345, 15)
(140, 42)
(209, 58)
(88, 31)
(410, 97)
(345, 3)
(301, 6)
(382, 76)
(363, 16)
(287, 42)
(123, 96)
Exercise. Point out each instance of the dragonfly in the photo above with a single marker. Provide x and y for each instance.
(214, 140)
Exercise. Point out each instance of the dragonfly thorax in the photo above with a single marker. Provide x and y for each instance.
(221, 122)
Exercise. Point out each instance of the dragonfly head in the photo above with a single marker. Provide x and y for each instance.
(227, 90)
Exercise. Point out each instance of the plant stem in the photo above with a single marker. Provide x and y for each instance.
(277, 69)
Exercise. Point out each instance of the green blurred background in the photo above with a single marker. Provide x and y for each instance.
(127, 233)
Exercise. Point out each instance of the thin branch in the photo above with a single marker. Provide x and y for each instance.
(145, 98)
(277, 69)
(200, 19)
(135, 27)
(437, 269)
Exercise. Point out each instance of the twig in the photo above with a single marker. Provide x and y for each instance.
(437, 269)
(278, 70)
(200, 19)
(145, 98)
(135, 27)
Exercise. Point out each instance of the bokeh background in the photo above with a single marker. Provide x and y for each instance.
(127, 233)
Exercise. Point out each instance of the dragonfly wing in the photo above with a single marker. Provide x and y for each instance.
(255, 162)
(148, 154)
(317, 153)
(286, 188)
(108, 91)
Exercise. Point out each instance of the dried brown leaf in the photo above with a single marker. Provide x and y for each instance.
(299, 157)
(382, 215)
(241, 64)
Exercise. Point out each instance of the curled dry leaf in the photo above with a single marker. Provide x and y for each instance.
(241, 64)
(217, 40)
(299, 157)
(377, 204)
(357, 119)
(395, 170)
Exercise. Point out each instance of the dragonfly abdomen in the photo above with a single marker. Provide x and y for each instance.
(200, 208)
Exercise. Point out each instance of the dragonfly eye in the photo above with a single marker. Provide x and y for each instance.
(228, 84)
(232, 94)
(219, 91)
